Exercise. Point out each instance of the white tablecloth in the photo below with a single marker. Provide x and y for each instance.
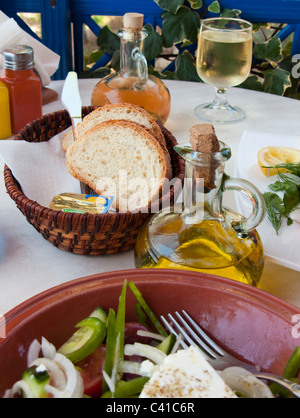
(30, 265)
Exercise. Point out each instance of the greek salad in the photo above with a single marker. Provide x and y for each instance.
(107, 357)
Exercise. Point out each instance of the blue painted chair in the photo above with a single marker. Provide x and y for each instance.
(56, 26)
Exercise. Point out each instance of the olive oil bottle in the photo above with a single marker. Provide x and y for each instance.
(201, 235)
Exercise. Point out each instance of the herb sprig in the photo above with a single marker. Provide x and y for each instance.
(285, 196)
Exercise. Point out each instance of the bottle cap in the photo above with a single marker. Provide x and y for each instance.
(18, 58)
(133, 21)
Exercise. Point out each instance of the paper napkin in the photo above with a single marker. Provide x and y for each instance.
(46, 61)
(40, 168)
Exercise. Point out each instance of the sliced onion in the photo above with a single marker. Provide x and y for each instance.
(74, 387)
(131, 367)
(24, 387)
(57, 375)
(177, 344)
(8, 394)
(48, 349)
(149, 334)
(111, 385)
(144, 350)
(33, 352)
(242, 381)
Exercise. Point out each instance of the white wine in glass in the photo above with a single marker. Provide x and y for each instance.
(223, 60)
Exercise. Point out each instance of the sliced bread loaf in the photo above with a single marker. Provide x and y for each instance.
(121, 159)
(118, 111)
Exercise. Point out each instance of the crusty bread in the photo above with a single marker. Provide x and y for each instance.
(119, 111)
(121, 159)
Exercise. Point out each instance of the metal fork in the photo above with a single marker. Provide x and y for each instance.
(191, 333)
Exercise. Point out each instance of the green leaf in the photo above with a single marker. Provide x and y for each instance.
(258, 25)
(231, 13)
(270, 50)
(275, 209)
(184, 25)
(94, 57)
(186, 68)
(108, 41)
(196, 4)
(152, 44)
(99, 73)
(291, 202)
(214, 7)
(252, 83)
(156, 73)
(170, 5)
(169, 75)
(115, 61)
(276, 81)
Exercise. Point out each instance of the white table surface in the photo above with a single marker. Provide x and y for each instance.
(30, 265)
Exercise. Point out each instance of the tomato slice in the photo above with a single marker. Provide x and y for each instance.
(92, 366)
(91, 372)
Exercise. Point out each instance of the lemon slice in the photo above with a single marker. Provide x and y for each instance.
(271, 156)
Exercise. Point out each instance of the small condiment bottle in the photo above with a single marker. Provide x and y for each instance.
(133, 84)
(5, 125)
(24, 85)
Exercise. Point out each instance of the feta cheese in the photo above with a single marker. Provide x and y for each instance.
(148, 368)
(186, 374)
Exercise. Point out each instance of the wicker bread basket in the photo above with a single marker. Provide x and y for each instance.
(83, 234)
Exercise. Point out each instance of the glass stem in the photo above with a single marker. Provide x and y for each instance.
(220, 99)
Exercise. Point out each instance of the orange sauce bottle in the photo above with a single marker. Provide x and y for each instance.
(24, 85)
(133, 84)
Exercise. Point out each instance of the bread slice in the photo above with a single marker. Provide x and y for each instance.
(121, 159)
(119, 111)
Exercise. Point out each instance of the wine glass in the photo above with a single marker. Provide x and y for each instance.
(224, 60)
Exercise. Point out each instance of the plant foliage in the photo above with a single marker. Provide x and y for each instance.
(181, 19)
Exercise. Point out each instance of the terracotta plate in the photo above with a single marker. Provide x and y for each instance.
(250, 323)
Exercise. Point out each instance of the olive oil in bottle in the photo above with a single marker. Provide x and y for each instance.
(201, 234)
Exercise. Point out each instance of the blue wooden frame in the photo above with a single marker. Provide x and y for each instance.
(58, 15)
(82, 10)
(273, 11)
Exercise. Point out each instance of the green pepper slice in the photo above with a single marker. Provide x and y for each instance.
(83, 342)
(127, 389)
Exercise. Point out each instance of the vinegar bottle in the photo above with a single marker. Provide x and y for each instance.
(132, 84)
(25, 89)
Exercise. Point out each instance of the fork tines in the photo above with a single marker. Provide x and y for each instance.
(192, 334)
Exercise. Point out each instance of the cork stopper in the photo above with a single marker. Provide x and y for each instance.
(133, 21)
(203, 139)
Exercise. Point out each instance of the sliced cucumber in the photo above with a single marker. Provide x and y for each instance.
(37, 379)
(167, 344)
(100, 314)
(83, 342)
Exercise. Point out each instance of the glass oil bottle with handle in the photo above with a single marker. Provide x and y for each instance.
(201, 234)
(132, 84)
